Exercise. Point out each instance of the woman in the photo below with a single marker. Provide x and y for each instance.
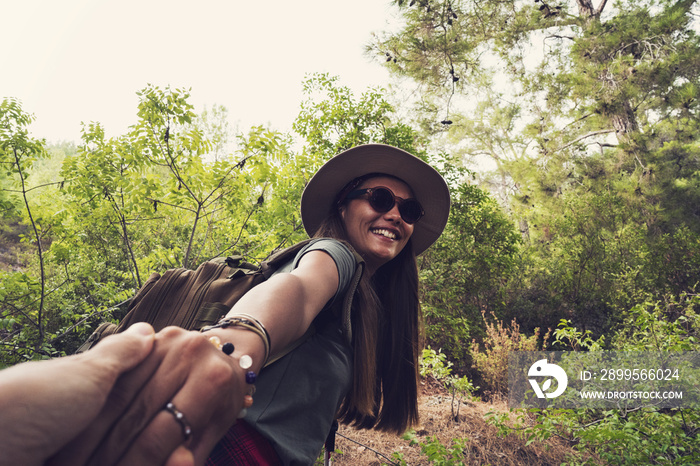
(389, 206)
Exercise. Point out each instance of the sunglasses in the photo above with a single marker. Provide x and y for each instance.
(383, 200)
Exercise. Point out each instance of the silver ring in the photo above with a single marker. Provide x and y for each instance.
(181, 419)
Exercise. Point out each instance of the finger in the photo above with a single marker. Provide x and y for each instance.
(100, 368)
(121, 397)
(123, 351)
(204, 421)
(140, 398)
(166, 432)
(163, 436)
(123, 392)
(181, 457)
(182, 352)
(209, 400)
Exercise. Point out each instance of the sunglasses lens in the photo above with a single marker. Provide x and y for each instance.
(382, 200)
(411, 211)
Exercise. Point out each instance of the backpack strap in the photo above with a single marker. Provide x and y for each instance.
(346, 310)
(103, 330)
(279, 258)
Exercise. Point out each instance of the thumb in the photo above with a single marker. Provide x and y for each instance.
(124, 351)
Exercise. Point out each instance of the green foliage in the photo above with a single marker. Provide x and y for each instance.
(23, 307)
(595, 259)
(332, 119)
(588, 114)
(640, 437)
(160, 170)
(671, 324)
(463, 272)
(440, 454)
(631, 437)
(398, 459)
(568, 338)
(435, 364)
(127, 206)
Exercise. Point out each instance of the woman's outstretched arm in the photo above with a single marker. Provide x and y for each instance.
(202, 382)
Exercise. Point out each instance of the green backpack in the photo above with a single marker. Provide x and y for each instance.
(193, 299)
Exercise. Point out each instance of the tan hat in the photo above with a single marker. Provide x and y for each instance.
(427, 185)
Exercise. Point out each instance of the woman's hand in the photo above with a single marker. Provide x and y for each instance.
(187, 370)
(44, 404)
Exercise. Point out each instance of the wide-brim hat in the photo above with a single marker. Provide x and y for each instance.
(427, 184)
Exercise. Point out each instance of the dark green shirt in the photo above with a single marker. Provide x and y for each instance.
(297, 397)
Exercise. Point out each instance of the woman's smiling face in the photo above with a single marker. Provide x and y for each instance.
(377, 236)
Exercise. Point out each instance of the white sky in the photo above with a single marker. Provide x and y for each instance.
(83, 60)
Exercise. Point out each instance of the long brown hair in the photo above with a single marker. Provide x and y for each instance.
(386, 320)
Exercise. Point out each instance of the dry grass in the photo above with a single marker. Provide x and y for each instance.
(484, 445)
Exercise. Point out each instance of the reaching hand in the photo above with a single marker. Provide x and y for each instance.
(45, 404)
(204, 387)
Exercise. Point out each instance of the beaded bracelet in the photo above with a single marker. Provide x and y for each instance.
(227, 347)
(247, 322)
(245, 362)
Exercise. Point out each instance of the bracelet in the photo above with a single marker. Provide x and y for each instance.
(247, 322)
(227, 348)
(245, 362)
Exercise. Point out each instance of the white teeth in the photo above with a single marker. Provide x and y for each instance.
(385, 233)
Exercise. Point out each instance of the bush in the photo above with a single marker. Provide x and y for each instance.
(641, 436)
(435, 364)
(492, 364)
(465, 269)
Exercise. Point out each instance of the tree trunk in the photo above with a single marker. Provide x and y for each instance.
(587, 11)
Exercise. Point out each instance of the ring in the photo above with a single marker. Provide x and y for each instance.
(180, 418)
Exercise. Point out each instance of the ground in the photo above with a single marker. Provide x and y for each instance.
(484, 445)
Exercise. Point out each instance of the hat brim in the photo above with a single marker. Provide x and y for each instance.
(427, 184)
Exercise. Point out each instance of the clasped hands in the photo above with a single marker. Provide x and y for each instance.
(108, 406)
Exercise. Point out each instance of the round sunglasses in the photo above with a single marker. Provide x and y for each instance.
(382, 199)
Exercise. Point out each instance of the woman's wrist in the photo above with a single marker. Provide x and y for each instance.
(246, 322)
(245, 343)
(247, 350)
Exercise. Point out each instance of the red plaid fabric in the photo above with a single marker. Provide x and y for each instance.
(243, 446)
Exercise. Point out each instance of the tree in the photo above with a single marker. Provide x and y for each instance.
(23, 295)
(463, 274)
(589, 113)
(156, 184)
(627, 70)
(332, 119)
(127, 206)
